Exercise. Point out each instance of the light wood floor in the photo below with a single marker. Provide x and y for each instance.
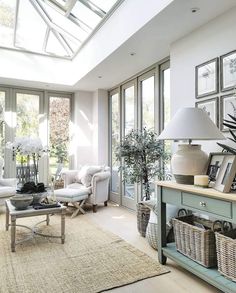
(122, 222)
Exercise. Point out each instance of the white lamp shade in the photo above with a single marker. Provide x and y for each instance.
(191, 123)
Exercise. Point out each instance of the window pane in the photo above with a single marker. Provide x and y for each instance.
(166, 95)
(85, 14)
(115, 141)
(59, 119)
(54, 46)
(27, 115)
(129, 125)
(129, 109)
(7, 18)
(166, 100)
(27, 111)
(31, 29)
(63, 22)
(147, 92)
(105, 5)
(2, 123)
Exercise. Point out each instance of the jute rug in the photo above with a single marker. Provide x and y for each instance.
(91, 260)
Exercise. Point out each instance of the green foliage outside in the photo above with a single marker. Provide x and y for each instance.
(59, 119)
(144, 157)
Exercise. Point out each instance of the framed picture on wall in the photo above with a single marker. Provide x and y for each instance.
(227, 106)
(206, 78)
(211, 108)
(228, 71)
(226, 174)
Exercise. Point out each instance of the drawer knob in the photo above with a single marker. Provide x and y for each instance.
(202, 204)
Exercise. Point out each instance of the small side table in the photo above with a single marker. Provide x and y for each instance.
(13, 214)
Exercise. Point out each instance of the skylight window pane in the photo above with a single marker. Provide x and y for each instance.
(85, 14)
(54, 46)
(7, 19)
(63, 22)
(31, 29)
(105, 5)
(74, 45)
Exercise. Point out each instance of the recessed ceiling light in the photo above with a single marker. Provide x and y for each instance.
(132, 53)
(99, 76)
(195, 9)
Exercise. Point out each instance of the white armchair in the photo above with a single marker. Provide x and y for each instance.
(7, 186)
(95, 184)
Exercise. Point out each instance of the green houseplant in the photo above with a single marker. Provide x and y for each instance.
(143, 158)
(231, 124)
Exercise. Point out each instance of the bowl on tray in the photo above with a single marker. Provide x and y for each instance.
(20, 201)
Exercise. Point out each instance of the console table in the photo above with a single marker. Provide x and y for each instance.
(207, 201)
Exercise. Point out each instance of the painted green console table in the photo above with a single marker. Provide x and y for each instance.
(205, 201)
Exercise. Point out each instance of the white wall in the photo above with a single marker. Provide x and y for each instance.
(209, 41)
(100, 122)
(82, 139)
(90, 130)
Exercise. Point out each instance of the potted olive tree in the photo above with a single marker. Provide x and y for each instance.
(143, 158)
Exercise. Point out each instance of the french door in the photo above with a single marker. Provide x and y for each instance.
(141, 102)
(26, 112)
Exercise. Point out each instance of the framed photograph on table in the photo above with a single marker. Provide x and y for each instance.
(211, 108)
(214, 163)
(226, 174)
(206, 78)
(227, 106)
(228, 71)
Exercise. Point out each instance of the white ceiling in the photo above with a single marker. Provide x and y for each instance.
(151, 44)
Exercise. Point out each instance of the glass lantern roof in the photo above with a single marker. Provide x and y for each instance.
(51, 27)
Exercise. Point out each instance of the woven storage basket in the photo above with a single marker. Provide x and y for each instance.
(195, 242)
(226, 253)
(59, 184)
(143, 215)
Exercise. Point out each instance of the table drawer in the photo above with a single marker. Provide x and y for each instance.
(207, 204)
(171, 196)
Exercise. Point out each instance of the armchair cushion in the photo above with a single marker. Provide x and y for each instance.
(7, 187)
(86, 173)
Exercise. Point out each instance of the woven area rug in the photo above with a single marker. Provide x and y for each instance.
(91, 260)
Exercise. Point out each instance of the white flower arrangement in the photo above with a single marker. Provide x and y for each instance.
(27, 148)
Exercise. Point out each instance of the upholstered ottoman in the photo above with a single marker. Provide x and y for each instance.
(76, 197)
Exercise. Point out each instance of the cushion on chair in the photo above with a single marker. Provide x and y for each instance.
(71, 195)
(6, 191)
(80, 186)
(86, 173)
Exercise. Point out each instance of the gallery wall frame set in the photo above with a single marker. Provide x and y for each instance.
(228, 71)
(207, 75)
(211, 106)
(221, 170)
(207, 78)
(227, 106)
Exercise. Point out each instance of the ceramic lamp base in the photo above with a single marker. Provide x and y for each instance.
(188, 161)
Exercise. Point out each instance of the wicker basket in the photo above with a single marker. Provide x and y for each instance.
(226, 252)
(195, 242)
(143, 215)
(59, 184)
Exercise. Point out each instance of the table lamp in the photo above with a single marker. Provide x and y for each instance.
(189, 160)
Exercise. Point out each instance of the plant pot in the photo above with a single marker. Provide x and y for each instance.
(143, 215)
